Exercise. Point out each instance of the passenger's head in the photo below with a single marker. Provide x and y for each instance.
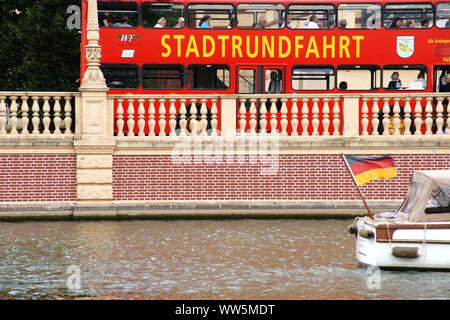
(395, 75)
(206, 18)
(421, 75)
(396, 23)
(410, 24)
(314, 18)
(124, 19)
(262, 20)
(162, 21)
(274, 75)
(343, 85)
(343, 23)
(181, 21)
(447, 78)
(425, 23)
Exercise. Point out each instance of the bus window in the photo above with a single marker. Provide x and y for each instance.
(118, 14)
(207, 76)
(359, 16)
(274, 81)
(260, 16)
(165, 76)
(313, 77)
(247, 81)
(404, 77)
(153, 14)
(443, 15)
(358, 77)
(216, 16)
(121, 76)
(299, 15)
(417, 15)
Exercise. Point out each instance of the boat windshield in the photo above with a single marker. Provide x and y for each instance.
(413, 195)
(439, 201)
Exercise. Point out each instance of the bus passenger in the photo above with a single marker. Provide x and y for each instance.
(161, 23)
(261, 24)
(180, 23)
(205, 22)
(123, 24)
(446, 86)
(396, 23)
(343, 85)
(425, 23)
(275, 83)
(105, 20)
(343, 24)
(410, 24)
(395, 82)
(313, 22)
(421, 79)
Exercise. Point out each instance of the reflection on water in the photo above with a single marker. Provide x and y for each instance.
(197, 259)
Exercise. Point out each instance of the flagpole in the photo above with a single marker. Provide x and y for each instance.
(357, 186)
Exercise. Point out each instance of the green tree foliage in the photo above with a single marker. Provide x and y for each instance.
(38, 52)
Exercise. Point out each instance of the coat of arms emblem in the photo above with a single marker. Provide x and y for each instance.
(405, 46)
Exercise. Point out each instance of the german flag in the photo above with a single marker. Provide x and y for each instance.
(368, 169)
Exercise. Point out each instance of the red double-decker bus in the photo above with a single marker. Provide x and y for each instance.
(270, 46)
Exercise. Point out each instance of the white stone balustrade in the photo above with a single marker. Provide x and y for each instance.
(404, 114)
(37, 113)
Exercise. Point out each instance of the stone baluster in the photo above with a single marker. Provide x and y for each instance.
(120, 119)
(46, 110)
(305, 120)
(2, 115)
(283, 121)
(326, 117)
(396, 120)
(407, 121)
(68, 115)
(386, 120)
(315, 116)
(263, 113)
(203, 117)
(25, 120)
(194, 122)
(13, 115)
(428, 116)
(439, 116)
(183, 112)
(418, 116)
(141, 118)
(57, 116)
(375, 120)
(214, 121)
(242, 116)
(273, 116)
(336, 118)
(294, 120)
(35, 120)
(172, 117)
(364, 116)
(162, 117)
(130, 121)
(151, 117)
(252, 121)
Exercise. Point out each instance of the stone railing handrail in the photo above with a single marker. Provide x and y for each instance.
(39, 93)
(406, 94)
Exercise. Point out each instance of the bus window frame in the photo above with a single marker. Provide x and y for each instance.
(205, 64)
(311, 4)
(261, 3)
(309, 66)
(394, 67)
(362, 3)
(123, 65)
(139, 22)
(186, 13)
(170, 28)
(183, 74)
(362, 67)
(433, 12)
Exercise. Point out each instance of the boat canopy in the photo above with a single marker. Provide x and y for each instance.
(428, 198)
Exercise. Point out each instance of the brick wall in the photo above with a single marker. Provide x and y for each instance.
(299, 177)
(37, 177)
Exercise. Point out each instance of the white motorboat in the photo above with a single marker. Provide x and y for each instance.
(417, 235)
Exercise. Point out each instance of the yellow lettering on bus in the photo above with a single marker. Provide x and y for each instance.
(192, 47)
(210, 53)
(329, 46)
(253, 54)
(298, 45)
(268, 46)
(358, 44)
(312, 48)
(166, 46)
(236, 42)
(178, 37)
(344, 42)
(286, 53)
(222, 39)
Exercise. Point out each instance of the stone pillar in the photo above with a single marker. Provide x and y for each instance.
(96, 145)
